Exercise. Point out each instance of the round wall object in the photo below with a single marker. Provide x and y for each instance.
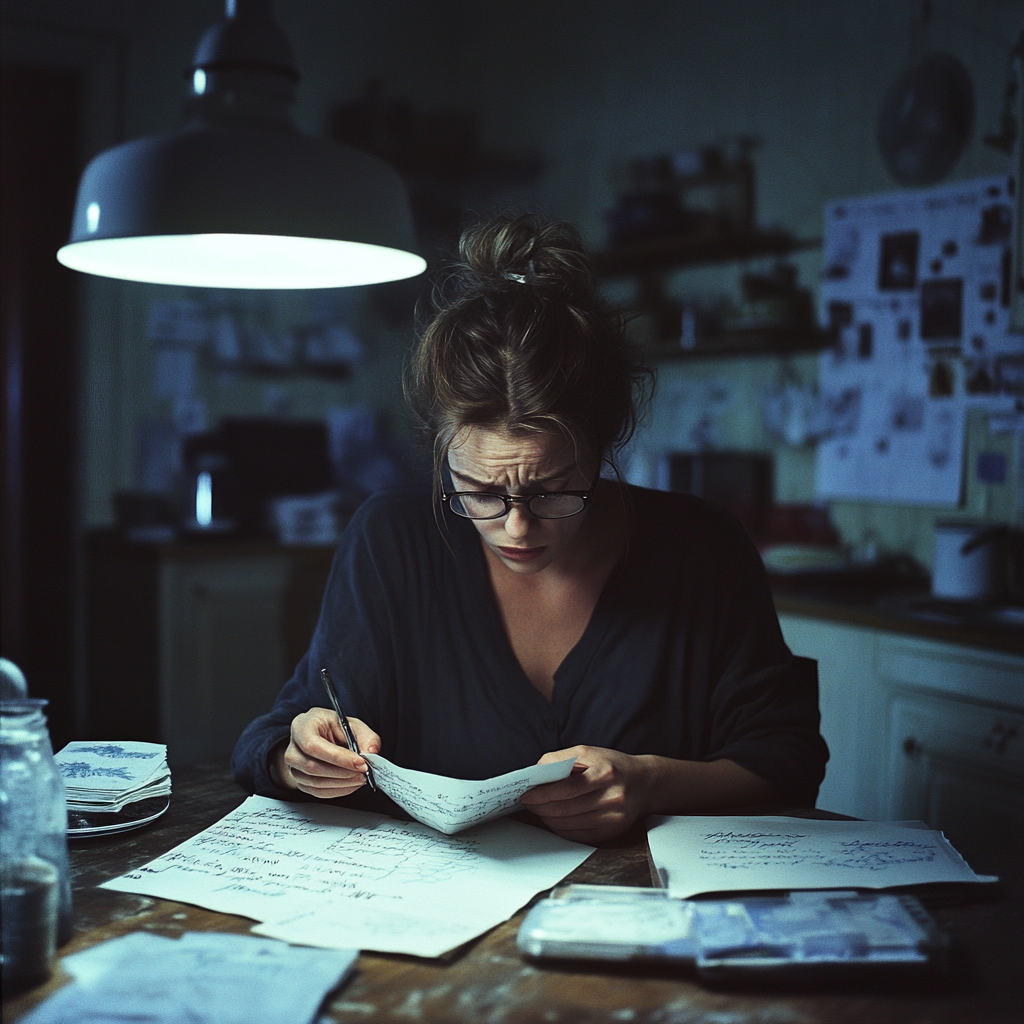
(925, 120)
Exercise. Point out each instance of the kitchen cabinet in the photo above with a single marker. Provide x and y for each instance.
(852, 711)
(188, 642)
(955, 740)
(920, 729)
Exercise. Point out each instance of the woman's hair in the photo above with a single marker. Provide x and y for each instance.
(520, 339)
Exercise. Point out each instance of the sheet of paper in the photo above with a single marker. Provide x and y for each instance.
(329, 876)
(203, 978)
(732, 854)
(451, 805)
(904, 447)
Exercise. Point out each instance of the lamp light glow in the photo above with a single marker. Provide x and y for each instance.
(238, 197)
(241, 261)
(204, 499)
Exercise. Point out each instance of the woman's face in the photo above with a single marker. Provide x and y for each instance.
(489, 459)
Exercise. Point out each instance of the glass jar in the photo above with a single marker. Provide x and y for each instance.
(34, 872)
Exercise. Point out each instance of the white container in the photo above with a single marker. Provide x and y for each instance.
(975, 574)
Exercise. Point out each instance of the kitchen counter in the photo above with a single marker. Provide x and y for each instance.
(880, 603)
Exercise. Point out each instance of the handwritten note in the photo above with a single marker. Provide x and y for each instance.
(327, 876)
(723, 854)
(451, 805)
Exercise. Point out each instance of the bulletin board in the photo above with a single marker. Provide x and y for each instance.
(916, 299)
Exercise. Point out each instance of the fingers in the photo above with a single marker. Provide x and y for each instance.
(318, 762)
(595, 804)
(571, 788)
(565, 755)
(366, 739)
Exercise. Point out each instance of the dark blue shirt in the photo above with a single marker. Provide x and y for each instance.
(683, 655)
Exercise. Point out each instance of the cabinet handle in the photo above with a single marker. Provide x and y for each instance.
(911, 747)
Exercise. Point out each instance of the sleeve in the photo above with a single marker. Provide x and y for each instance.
(763, 708)
(350, 641)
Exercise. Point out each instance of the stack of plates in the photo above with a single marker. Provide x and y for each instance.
(107, 778)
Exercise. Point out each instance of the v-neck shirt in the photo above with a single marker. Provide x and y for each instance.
(682, 656)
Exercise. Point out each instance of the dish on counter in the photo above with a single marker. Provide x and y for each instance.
(86, 824)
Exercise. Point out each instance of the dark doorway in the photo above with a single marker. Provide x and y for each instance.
(39, 165)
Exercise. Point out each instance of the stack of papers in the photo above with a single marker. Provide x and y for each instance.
(202, 978)
(320, 875)
(103, 776)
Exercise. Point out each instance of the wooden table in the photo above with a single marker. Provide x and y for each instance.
(488, 981)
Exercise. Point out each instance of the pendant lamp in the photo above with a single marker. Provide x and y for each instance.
(238, 197)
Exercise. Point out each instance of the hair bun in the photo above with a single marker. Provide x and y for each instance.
(519, 250)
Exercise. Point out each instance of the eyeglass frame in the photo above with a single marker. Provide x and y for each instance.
(509, 499)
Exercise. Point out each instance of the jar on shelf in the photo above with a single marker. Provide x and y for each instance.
(34, 873)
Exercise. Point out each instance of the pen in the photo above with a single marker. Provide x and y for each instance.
(332, 696)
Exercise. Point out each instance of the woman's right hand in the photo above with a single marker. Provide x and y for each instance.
(317, 760)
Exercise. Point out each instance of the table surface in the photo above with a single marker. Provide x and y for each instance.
(488, 980)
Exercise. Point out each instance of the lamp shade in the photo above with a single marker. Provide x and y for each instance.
(238, 197)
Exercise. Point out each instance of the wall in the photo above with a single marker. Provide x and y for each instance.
(593, 85)
(589, 85)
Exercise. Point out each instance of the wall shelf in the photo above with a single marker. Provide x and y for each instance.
(673, 253)
(741, 344)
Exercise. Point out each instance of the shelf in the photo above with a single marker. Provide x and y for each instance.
(742, 343)
(662, 254)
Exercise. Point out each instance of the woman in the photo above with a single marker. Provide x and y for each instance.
(533, 610)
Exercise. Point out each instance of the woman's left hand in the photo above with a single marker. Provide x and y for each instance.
(606, 792)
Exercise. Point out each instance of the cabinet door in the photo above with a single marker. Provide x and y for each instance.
(852, 711)
(960, 768)
(222, 651)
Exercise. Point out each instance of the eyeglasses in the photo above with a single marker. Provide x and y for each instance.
(486, 505)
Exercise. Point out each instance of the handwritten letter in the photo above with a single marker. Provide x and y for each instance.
(327, 876)
(451, 805)
(705, 854)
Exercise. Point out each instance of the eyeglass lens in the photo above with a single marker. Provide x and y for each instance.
(543, 506)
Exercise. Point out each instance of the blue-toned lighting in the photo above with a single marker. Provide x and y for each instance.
(204, 499)
(238, 197)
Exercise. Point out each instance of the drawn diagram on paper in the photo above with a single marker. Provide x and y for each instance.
(119, 751)
(451, 805)
(84, 770)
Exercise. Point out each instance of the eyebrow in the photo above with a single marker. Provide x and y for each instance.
(482, 483)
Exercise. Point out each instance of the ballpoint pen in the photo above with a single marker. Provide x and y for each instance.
(332, 696)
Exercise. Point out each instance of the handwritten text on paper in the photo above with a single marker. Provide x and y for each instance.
(451, 805)
(355, 879)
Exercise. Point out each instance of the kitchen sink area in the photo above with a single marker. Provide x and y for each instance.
(895, 595)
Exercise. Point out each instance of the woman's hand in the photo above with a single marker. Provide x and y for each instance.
(605, 794)
(317, 760)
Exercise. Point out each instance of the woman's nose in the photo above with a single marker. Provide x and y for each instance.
(517, 522)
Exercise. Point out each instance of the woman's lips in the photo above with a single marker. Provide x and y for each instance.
(522, 554)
